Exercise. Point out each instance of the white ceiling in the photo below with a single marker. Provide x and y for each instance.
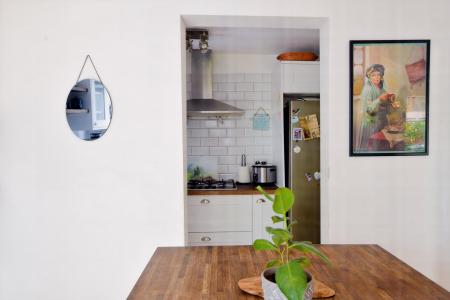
(263, 40)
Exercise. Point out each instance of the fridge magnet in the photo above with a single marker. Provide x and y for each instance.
(308, 176)
(317, 176)
(297, 134)
(313, 126)
(297, 149)
(389, 90)
(294, 119)
(261, 120)
(305, 126)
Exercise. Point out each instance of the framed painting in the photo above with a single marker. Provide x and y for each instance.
(389, 82)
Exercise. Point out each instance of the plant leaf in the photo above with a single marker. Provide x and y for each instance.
(277, 219)
(277, 240)
(282, 233)
(306, 247)
(303, 261)
(262, 191)
(284, 199)
(261, 244)
(273, 263)
(291, 279)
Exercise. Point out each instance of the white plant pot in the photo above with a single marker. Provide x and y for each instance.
(272, 292)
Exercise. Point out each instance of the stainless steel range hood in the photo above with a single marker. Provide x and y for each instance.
(202, 103)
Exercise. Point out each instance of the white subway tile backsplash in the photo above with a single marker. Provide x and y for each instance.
(236, 96)
(233, 168)
(252, 132)
(265, 158)
(220, 78)
(209, 124)
(228, 160)
(193, 123)
(267, 77)
(244, 141)
(236, 150)
(217, 132)
(253, 96)
(227, 87)
(253, 150)
(200, 150)
(231, 141)
(209, 142)
(235, 132)
(197, 132)
(244, 87)
(194, 142)
(266, 96)
(253, 77)
(222, 169)
(263, 141)
(262, 86)
(236, 77)
(219, 95)
(267, 150)
(267, 105)
(227, 141)
(244, 104)
(218, 150)
(228, 123)
(244, 123)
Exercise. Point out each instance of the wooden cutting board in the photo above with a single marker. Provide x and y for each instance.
(252, 286)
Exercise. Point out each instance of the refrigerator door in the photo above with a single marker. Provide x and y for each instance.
(304, 161)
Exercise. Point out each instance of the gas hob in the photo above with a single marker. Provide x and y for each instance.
(211, 185)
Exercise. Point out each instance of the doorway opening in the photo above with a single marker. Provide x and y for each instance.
(246, 75)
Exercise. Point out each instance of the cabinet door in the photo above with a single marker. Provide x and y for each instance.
(301, 77)
(262, 217)
(219, 213)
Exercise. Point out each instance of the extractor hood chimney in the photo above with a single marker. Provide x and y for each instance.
(202, 103)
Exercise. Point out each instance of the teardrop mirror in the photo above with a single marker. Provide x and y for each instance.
(89, 109)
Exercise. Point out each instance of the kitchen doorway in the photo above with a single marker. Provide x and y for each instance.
(219, 140)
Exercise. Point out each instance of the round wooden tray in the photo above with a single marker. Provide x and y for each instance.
(304, 56)
(252, 285)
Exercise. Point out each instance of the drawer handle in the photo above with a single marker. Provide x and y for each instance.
(204, 201)
(205, 239)
(260, 201)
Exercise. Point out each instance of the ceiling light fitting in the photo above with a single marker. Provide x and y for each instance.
(200, 35)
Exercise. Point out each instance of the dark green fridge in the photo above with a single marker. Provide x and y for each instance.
(302, 164)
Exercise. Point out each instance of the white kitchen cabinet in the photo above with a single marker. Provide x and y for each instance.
(228, 219)
(220, 220)
(300, 77)
(262, 217)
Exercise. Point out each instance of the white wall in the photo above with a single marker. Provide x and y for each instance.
(80, 220)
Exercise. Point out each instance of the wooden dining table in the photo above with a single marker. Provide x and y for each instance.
(357, 272)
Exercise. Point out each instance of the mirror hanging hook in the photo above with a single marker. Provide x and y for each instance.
(93, 65)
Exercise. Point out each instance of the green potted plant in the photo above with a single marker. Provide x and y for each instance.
(285, 277)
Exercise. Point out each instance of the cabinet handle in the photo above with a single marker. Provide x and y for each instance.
(260, 200)
(204, 201)
(205, 239)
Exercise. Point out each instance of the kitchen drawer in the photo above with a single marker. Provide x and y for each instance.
(219, 238)
(219, 213)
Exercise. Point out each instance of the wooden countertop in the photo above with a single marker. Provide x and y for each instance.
(242, 189)
(358, 272)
